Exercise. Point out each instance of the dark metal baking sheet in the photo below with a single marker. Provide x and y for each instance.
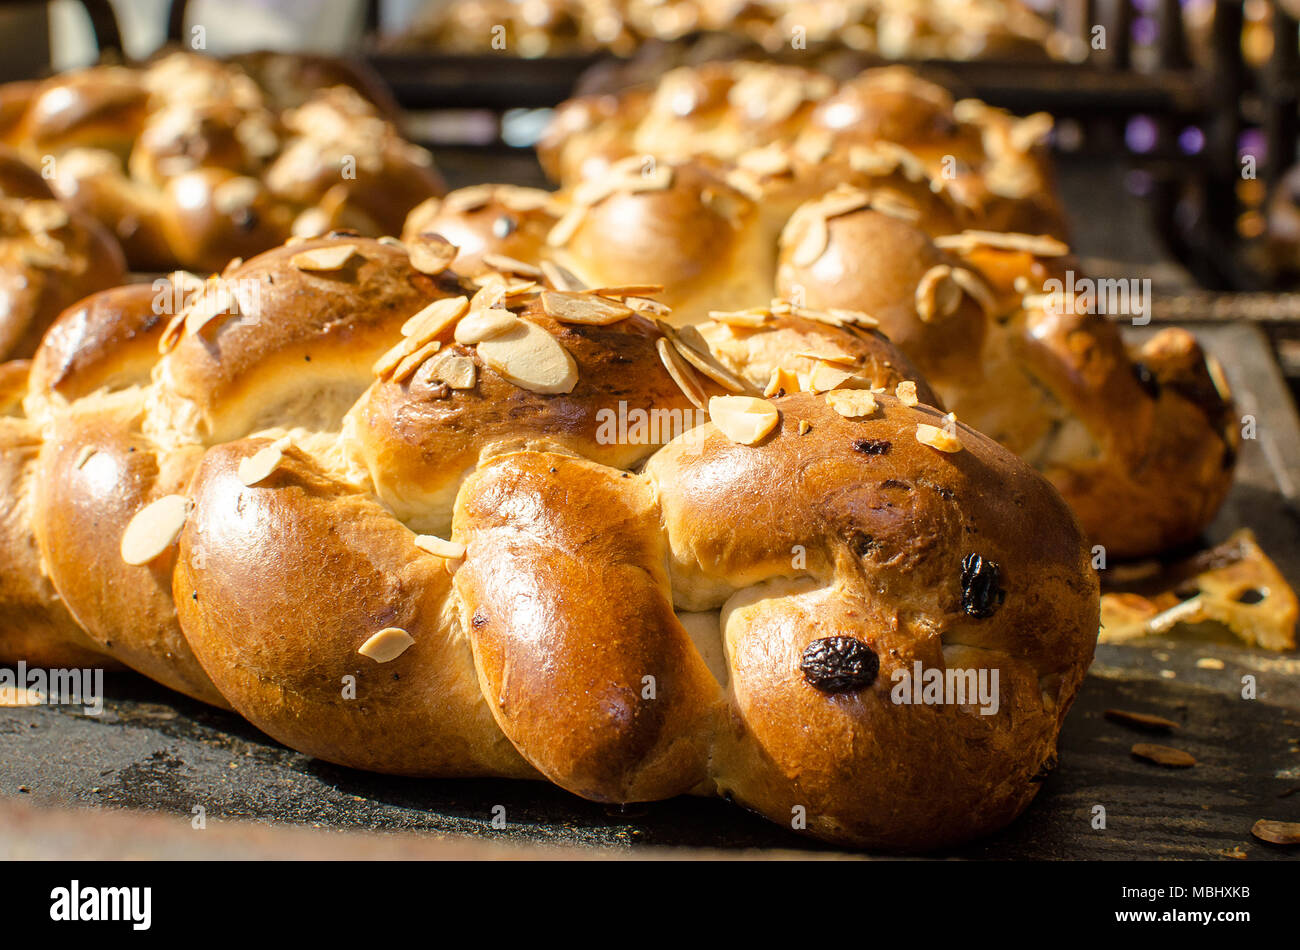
(160, 753)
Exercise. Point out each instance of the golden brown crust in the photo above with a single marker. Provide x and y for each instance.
(592, 677)
(299, 530)
(50, 255)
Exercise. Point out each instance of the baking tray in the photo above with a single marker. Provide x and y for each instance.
(155, 752)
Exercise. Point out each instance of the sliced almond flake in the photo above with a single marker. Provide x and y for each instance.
(647, 305)
(215, 300)
(511, 265)
(468, 199)
(627, 290)
(781, 382)
(906, 393)
(745, 420)
(523, 200)
(593, 191)
(830, 356)
(820, 316)
(172, 332)
(813, 241)
(813, 146)
(583, 308)
(387, 645)
(458, 372)
(561, 278)
(431, 253)
(389, 241)
(749, 319)
(744, 181)
(412, 361)
(154, 529)
(976, 289)
(1039, 245)
(329, 258)
(433, 319)
(491, 294)
(482, 325)
(520, 288)
(440, 547)
(255, 467)
(766, 160)
(871, 161)
(851, 403)
(530, 358)
(826, 376)
(856, 317)
(896, 206)
(384, 366)
(84, 455)
(937, 438)
(681, 372)
(692, 347)
(804, 426)
(937, 294)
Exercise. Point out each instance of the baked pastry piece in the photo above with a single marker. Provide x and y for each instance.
(50, 255)
(193, 161)
(414, 523)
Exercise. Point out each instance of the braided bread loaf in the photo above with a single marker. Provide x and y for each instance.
(192, 161)
(412, 522)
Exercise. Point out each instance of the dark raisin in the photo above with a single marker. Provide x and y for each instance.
(839, 664)
(479, 620)
(1147, 379)
(245, 219)
(872, 446)
(980, 593)
(1044, 770)
(503, 226)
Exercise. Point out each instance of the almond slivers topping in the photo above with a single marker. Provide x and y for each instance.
(512, 265)
(852, 403)
(215, 300)
(937, 295)
(680, 371)
(530, 358)
(387, 645)
(936, 437)
(745, 420)
(826, 376)
(482, 325)
(451, 550)
(458, 372)
(434, 318)
(431, 254)
(1039, 245)
(906, 393)
(781, 382)
(583, 308)
(154, 529)
(561, 278)
(255, 467)
(329, 258)
(412, 361)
